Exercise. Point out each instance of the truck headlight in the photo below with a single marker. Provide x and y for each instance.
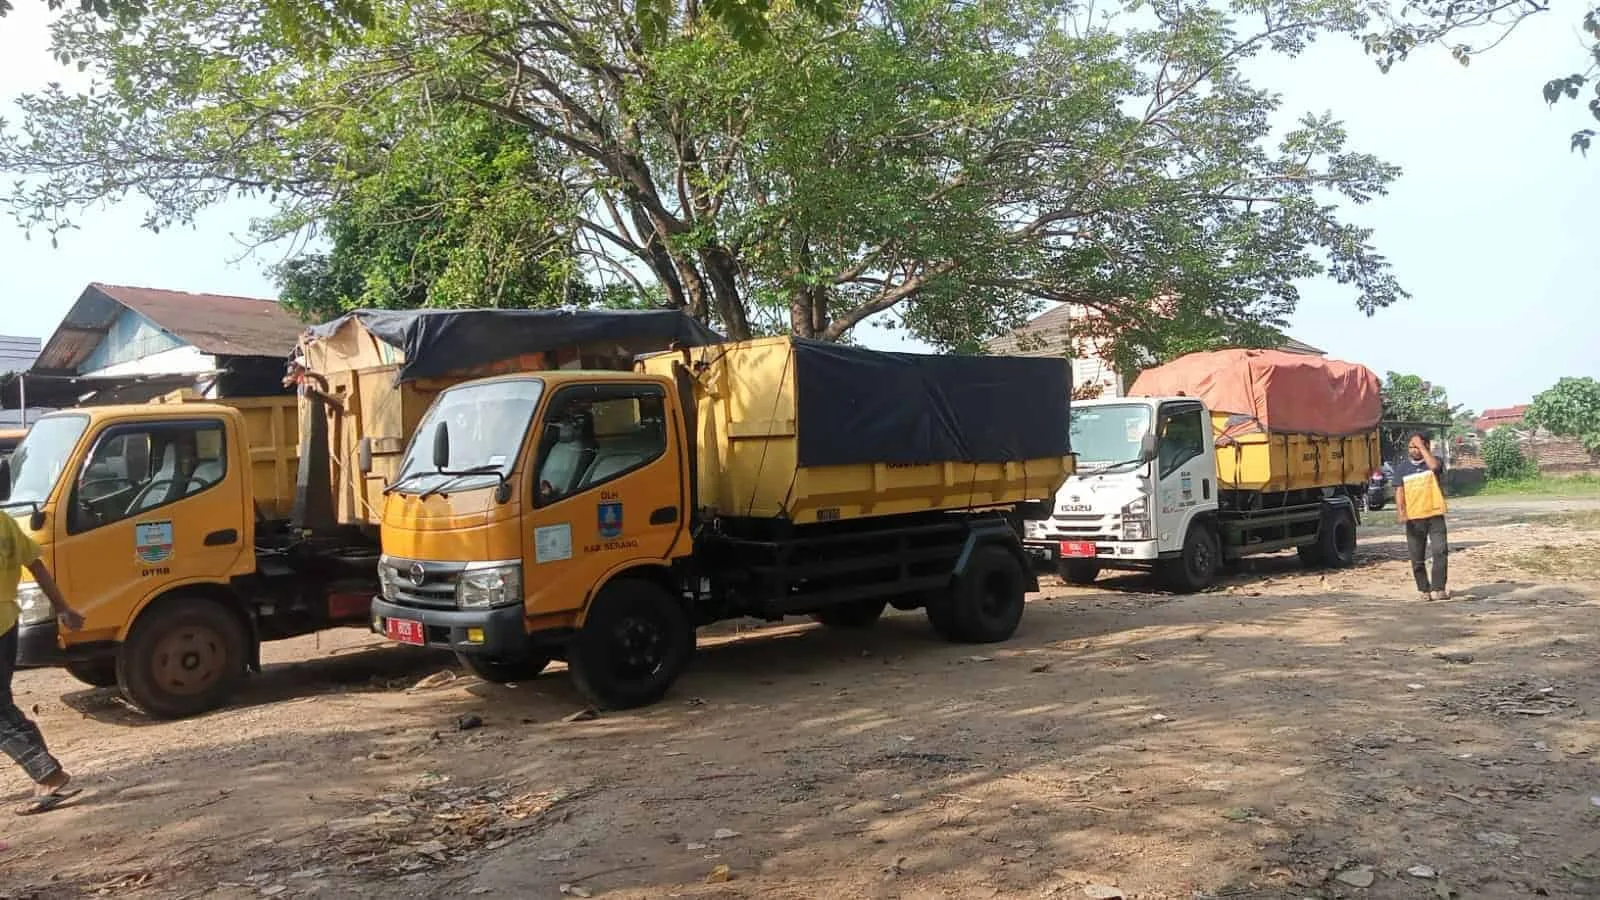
(1136, 520)
(388, 580)
(484, 585)
(35, 606)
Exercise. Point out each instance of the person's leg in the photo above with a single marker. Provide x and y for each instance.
(1439, 548)
(19, 737)
(1417, 549)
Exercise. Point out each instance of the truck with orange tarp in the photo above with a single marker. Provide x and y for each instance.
(1211, 458)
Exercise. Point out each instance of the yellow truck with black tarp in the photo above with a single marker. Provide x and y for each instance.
(599, 517)
(189, 532)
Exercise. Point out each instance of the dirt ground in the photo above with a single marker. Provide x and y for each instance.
(1290, 735)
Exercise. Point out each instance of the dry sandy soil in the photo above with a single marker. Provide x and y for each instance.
(1290, 735)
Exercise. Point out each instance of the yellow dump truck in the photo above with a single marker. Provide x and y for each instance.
(599, 517)
(165, 525)
(189, 532)
(1211, 458)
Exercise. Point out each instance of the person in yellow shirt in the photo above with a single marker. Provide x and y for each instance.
(1419, 502)
(19, 736)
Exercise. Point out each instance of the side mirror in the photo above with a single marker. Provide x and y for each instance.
(5, 479)
(1147, 447)
(441, 446)
(364, 456)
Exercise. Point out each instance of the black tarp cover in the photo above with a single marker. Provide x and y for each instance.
(866, 406)
(440, 341)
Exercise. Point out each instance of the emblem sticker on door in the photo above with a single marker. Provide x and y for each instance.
(152, 542)
(610, 519)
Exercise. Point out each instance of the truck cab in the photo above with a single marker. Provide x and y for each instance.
(1146, 471)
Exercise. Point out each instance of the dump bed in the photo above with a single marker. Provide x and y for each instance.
(372, 374)
(1282, 421)
(810, 431)
(272, 442)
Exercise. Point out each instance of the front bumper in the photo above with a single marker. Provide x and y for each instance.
(1106, 552)
(504, 630)
(38, 647)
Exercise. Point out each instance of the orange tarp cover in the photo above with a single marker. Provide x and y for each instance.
(1270, 390)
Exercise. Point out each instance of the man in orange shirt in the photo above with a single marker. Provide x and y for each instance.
(1419, 501)
(19, 737)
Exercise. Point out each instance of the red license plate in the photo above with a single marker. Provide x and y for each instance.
(1078, 549)
(404, 631)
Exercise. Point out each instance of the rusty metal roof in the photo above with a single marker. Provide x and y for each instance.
(217, 324)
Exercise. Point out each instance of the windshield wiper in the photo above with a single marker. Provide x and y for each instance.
(1117, 465)
(403, 479)
(456, 476)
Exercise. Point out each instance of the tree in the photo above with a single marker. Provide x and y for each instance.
(1408, 398)
(1570, 409)
(1503, 459)
(1468, 28)
(947, 166)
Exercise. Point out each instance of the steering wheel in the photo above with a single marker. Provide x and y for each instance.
(86, 493)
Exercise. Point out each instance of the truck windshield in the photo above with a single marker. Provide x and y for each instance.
(37, 462)
(487, 423)
(1109, 434)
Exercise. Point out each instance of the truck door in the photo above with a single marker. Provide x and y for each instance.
(1185, 477)
(608, 489)
(156, 502)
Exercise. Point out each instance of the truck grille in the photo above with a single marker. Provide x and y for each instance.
(1078, 527)
(437, 589)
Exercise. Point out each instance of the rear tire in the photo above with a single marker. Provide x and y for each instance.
(99, 672)
(634, 644)
(1196, 569)
(1336, 541)
(855, 614)
(985, 604)
(1079, 572)
(504, 671)
(183, 657)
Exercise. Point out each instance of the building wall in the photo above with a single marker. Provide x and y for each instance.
(182, 359)
(16, 355)
(131, 339)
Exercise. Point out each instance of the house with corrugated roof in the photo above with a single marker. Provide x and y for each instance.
(128, 344)
(1060, 331)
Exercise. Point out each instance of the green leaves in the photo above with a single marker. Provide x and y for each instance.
(1571, 409)
(769, 165)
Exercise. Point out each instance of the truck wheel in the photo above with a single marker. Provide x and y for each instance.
(1079, 571)
(855, 614)
(99, 672)
(985, 604)
(1336, 542)
(1196, 568)
(632, 647)
(183, 658)
(504, 671)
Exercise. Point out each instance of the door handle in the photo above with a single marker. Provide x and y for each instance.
(666, 515)
(222, 538)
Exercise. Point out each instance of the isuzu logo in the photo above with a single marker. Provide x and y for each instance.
(417, 574)
(1075, 507)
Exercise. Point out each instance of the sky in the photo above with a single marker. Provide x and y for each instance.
(1490, 228)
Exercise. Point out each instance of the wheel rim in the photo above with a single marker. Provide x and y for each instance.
(995, 597)
(640, 645)
(1200, 558)
(189, 660)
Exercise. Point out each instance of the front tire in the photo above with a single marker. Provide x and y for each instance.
(634, 644)
(184, 657)
(1196, 568)
(504, 671)
(99, 672)
(855, 614)
(984, 605)
(1079, 572)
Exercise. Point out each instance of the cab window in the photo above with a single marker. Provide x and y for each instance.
(1183, 435)
(136, 469)
(594, 435)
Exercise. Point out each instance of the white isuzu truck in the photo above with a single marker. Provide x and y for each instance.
(1214, 457)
